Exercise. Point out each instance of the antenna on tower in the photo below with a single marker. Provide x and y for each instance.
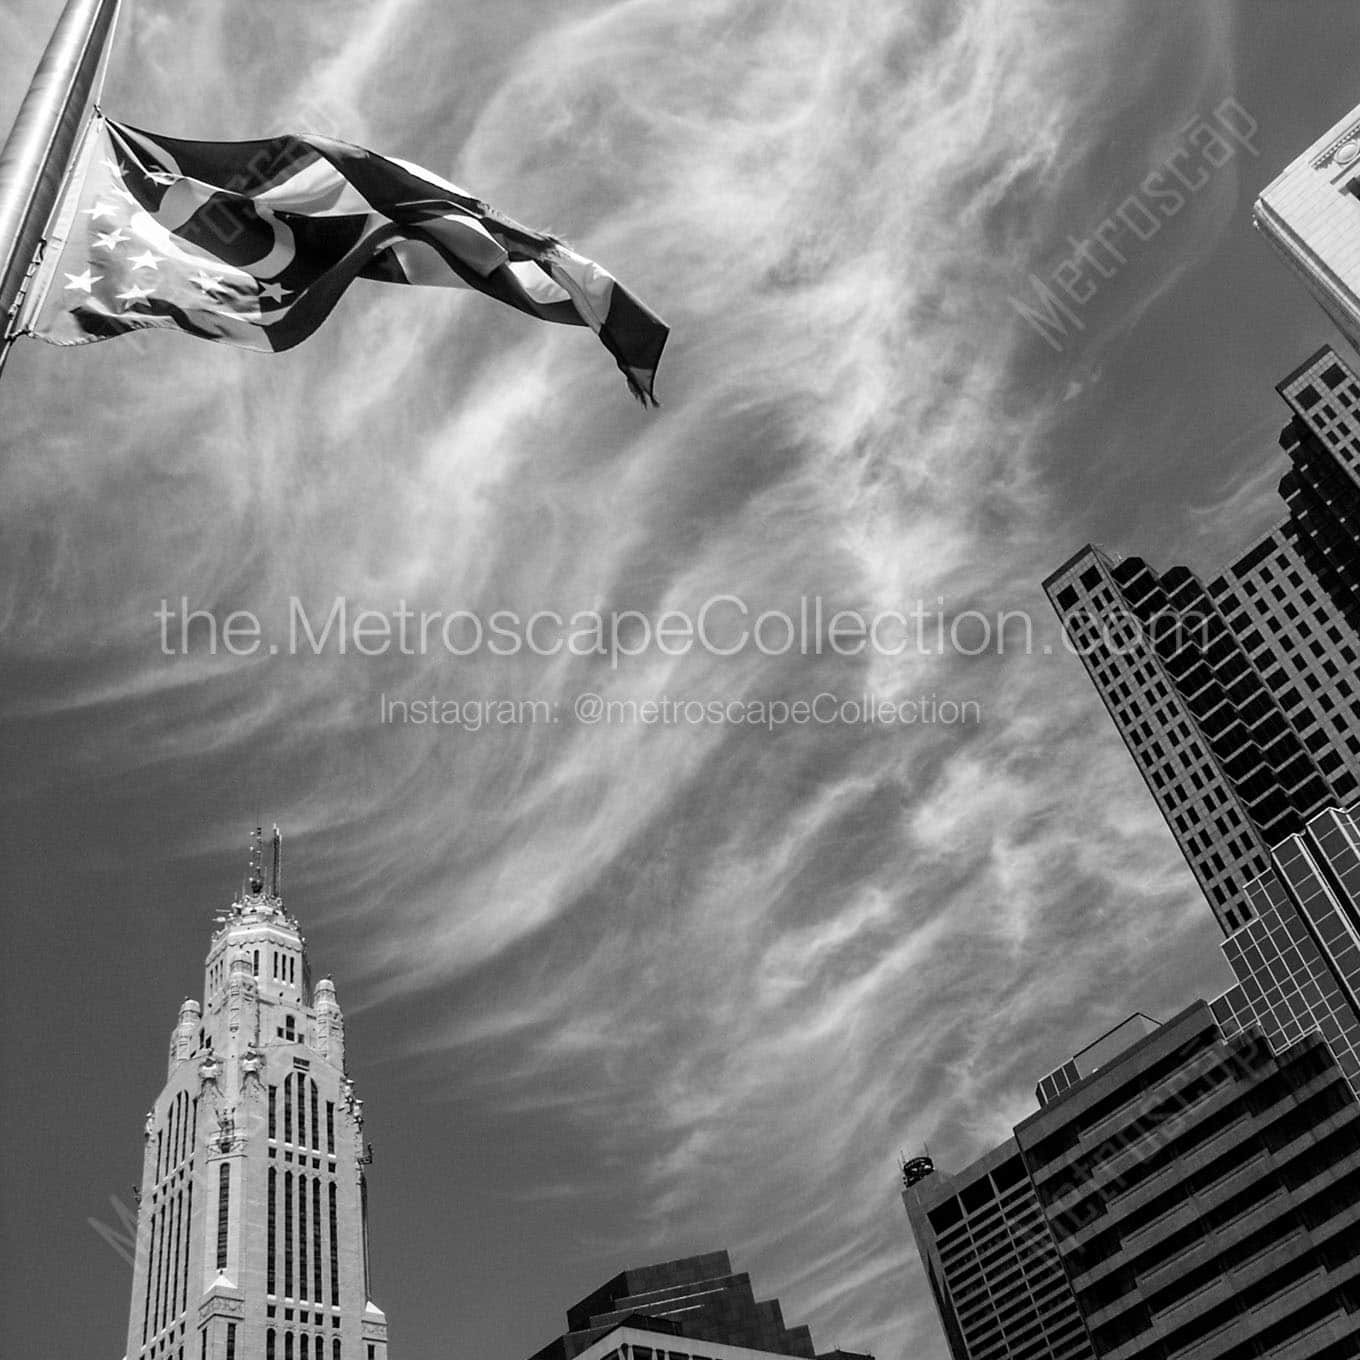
(276, 867)
(256, 876)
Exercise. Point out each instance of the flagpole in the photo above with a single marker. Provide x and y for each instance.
(35, 157)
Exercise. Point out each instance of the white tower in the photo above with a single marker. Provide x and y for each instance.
(252, 1238)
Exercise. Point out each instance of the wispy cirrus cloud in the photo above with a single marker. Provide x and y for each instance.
(740, 967)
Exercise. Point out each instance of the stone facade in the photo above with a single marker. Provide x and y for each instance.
(252, 1231)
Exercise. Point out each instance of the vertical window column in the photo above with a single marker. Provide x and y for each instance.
(288, 1239)
(271, 1235)
(302, 1237)
(223, 1212)
(316, 1239)
(335, 1252)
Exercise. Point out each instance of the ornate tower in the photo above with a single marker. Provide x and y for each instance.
(252, 1236)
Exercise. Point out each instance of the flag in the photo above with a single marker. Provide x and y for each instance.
(252, 244)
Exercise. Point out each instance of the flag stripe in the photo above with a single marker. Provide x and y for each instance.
(254, 242)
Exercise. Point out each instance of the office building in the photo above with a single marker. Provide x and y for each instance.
(1200, 1193)
(252, 1238)
(1311, 215)
(708, 1312)
(1240, 699)
(993, 1264)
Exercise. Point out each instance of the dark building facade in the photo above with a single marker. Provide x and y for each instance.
(698, 1297)
(1204, 1194)
(1200, 1193)
(1240, 699)
(993, 1264)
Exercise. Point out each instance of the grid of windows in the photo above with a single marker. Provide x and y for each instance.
(1205, 1196)
(999, 1277)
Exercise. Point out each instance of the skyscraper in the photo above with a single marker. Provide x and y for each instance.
(1240, 700)
(1297, 959)
(1179, 1193)
(699, 1298)
(993, 1264)
(252, 1220)
(1311, 215)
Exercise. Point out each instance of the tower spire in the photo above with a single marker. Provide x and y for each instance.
(255, 872)
(276, 867)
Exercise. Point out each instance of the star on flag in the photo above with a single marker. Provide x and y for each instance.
(274, 232)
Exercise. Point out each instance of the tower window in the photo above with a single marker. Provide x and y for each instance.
(316, 1242)
(302, 1239)
(316, 1136)
(223, 1212)
(269, 1344)
(256, 968)
(271, 1280)
(330, 1127)
(273, 1111)
(335, 1253)
(288, 1245)
(231, 1341)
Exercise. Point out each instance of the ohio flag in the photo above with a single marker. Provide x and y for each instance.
(252, 243)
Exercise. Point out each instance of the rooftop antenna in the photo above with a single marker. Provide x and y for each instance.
(276, 867)
(256, 872)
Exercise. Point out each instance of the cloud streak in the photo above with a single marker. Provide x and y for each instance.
(741, 967)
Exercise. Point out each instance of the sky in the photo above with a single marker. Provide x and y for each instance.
(622, 991)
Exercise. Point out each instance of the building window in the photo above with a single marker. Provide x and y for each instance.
(335, 1253)
(288, 1238)
(273, 1111)
(335, 1349)
(316, 1135)
(287, 1346)
(302, 1239)
(330, 1127)
(269, 1345)
(272, 1230)
(231, 1341)
(288, 1108)
(304, 1346)
(223, 1212)
(316, 1239)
